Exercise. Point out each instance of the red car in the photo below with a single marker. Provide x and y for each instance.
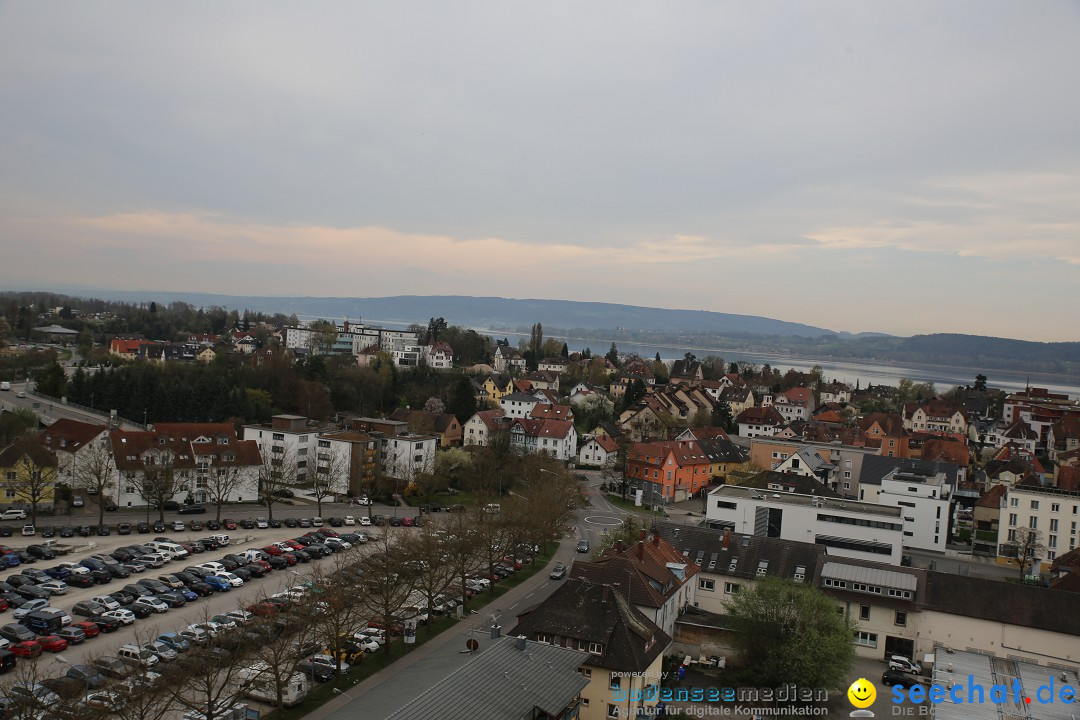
(396, 628)
(89, 629)
(52, 643)
(229, 524)
(327, 532)
(289, 558)
(26, 648)
(293, 544)
(272, 550)
(3, 605)
(263, 609)
(263, 564)
(406, 521)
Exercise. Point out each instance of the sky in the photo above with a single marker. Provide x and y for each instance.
(900, 167)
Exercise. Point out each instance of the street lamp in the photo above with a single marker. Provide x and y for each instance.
(518, 496)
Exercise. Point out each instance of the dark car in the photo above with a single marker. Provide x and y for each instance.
(378, 520)
(291, 522)
(247, 524)
(336, 522)
(123, 528)
(275, 523)
(111, 667)
(895, 677)
(231, 563)
(300, 555)
(67, 531)
(141, 612)
(200, 588)
(118, 571)
(155, 586)
(395, 521)
(15, 633)
(81, 581)
(107, 624)
(319, 673)
(195, 525)
(124, 597)
(159, 526)
(89, 676)
(101, 577)
(122, 555)
(192, 510)
(583, 546)
(256, 569)
(33, 592)
(213, 525)
(277, 562)
(110, 506)
(172, 598)
(319, 550)
(138, 590)
(88, 609)
(41, 552)
(103, 530)
(73, 635)
(47, 532)
(56, 573)
(24, 557)
(85, 531)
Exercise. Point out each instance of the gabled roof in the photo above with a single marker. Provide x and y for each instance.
(490, 418)
(800, 396)
(947, 449)
(992, 497)
(558, 429)
(548, 411)
(131, 446)
(607, 443)
(726, 553)
(518, 397)
(29, 447)
(600, 614)
(685, 368)
(767, 415)
(723, 450)
(735, 394)
(645, 572)
(442, 347)
(800, 484)
(438, 422)
(70, 435)
(685, 452)
(708, 433)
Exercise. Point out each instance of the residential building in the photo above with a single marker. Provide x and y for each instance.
(623, 649)
(444, 425)
(544, 380)
(495, 387)
(288, 438)
(557, 438)
(518, 404)
(29, 472)
(986, 520)
(795, 404)
(834, 392)
(724, 455)
(686, 370)
(937, 416)
(407, 456)
(652, 574)
(74, 442)
(848, 528)
(439, 356)
(555, 365)
(598, 451)
(1053, 513)
(759, 421)
(924, 502)
(480, 427)
(508, 360)
(807, 460)
(668, 471)
(738, 398)
(359, 455)
(1063, 436)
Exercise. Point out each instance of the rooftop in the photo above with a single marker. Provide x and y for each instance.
(960, 668)
(785, 498)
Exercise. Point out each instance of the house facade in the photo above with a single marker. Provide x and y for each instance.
(480, 427)
(668, 471)
(557, 438)
(598, 451)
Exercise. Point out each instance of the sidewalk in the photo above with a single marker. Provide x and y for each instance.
(504, 608)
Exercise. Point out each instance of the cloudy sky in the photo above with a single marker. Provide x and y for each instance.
(891, 166)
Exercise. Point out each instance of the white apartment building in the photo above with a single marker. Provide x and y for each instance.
(847, 528)
(406, 456)
(288, 437)
(924, 503)
(1054, 513)
(518, 404)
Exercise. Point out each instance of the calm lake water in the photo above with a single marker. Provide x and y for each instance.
(846, 371)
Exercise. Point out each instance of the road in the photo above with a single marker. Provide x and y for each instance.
(50, 411)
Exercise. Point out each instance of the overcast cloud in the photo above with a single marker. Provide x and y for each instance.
(902, 167)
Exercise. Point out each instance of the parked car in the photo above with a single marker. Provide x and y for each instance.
(111, 667)
(90, 676)
(123, 616)
(91, 608)
(143, 527)
(896, 677)
(175, 641)
(123, 528)
(903, 664)
(72, 634)
(192, 510)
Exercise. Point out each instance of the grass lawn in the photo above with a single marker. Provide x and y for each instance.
(617, 501)
(373, 663)
(445, 500)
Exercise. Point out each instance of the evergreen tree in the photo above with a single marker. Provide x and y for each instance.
(613, 355)
(462, 401)
(565, 351)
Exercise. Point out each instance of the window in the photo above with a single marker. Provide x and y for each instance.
(1014, 502)
(847, 486)
(1052, 541)
(587, 672)
(279, 436)
(1012, 518)
(612, 711)
(1033, 522)
(864, 612)
(1034, 504)
(800, 573)
(584, 702)
(596, 648)
(731, 588)
(901, 618)
(1055, 507)
(709, 585)
(866, 639)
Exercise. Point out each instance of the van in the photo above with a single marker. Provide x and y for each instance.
(138, 656)
(172, 550)
(5, 385)
(493, 508)
(215, 567)
(253, 555)
(77, 501)
(45, 621)
(903, 664)
(220, 539)
(257, 682)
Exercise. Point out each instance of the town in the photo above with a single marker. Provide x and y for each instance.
(658, 511)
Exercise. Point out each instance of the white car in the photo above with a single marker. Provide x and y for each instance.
(262, 523)
(178, 526)
(212, 628)
(74, 568)
(126, 617)
(350, 520)
(241, 617)
(152, 603)
(155, 560)
(13, 515)
(365, 521)
(370, 635)
(367, 644)
(56, 587)
(108, 601)
(28, 530)
(233, 580)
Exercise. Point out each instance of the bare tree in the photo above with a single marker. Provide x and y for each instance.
(339, 609)
(1025, 547)
(223, 479)
(277, 473)
(32, 478)
(276, 645)
(95, 473)
(461, 545)
(331, 474)
(205, 680)
(159, 479)
(427, 547)
(388, 581)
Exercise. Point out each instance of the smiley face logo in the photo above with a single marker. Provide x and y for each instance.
(862, 693)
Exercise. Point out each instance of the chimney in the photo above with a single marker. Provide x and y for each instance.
(520, 643)
(727, 540)
(656, 538)
(619, 547)
(642, 535)
(496, 631)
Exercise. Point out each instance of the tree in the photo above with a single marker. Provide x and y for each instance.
(51, 380)
(980, 382)
(627, 532)
(32, 478)
(1024, 548)
(722, 417)
(613, 355)
(323, 336)
(712, 367)
(330, 469)
(427, 548)
(94, 470)
(388, 580)
(159, 480)
(657, 358)
(565, 353)
(277, 473)
(536, 340)
(435, 328)
(461, 547)
(791, 633)
(462, 399)
(434, 405)
(339, 611)
(224, 478)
